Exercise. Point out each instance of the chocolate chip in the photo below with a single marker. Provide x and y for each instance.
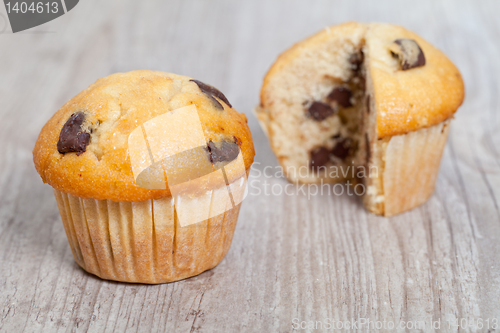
(319, 157)
(213, 92)
(72, 137)
(367, 103)
(342, 148)
(408, 52)
(368, 152)
(356, 60)
(341, 95)
(228, 151)
(320, 111)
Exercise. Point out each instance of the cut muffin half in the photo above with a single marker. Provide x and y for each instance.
(364, 103)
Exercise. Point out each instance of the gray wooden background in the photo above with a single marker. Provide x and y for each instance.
(294, 258)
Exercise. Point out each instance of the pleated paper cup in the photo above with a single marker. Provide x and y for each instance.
(410, 164)
(143, 241)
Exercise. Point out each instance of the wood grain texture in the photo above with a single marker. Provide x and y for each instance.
(293, 255)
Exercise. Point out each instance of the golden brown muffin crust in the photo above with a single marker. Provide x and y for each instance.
(114, 106)
(407, 100)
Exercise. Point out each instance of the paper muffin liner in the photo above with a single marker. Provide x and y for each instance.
(410, 164)
(143, 241)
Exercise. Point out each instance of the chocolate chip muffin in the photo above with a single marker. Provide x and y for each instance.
(149, 171)
(365, 103)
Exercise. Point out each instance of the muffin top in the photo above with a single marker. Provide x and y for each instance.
(84, 148)
(414, 84)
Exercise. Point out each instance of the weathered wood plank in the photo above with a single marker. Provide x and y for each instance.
(293, 257)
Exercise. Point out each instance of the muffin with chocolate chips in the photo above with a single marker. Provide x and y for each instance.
(363, 103)
(149, 171)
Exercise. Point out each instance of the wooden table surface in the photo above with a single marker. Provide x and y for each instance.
(294, 258)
